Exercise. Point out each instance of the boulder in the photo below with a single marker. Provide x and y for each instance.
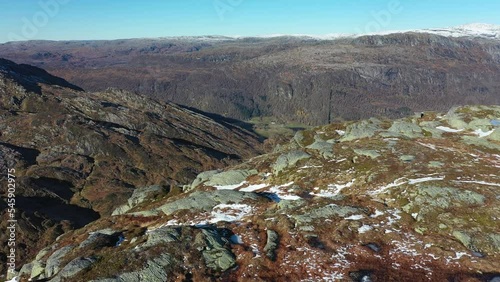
(138, 196)
(100, 239)
(206, 200)
(166, 234)
(271, 244)
(373, 154)
(53, 264)
(202, 177)
(230, 177)
(72, 268)
(325, 212)
(404, 128)
(495, 136)
(289, 160)
(324, 148)
(362, 129)
(215, 250)
(153, 271)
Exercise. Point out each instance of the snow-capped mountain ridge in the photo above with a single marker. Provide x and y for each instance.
(468, 30)
(482, 30)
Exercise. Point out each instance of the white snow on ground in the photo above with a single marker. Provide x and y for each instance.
(283, 195)
(222, 212)
(473, 30)
(430, 146)
(478, 182)
(396, 183)
(401, 181)
(425, 179)
(310, 166)
(480, 133)
(377, 214)
(15, 279)
(230, 187)
(365, 228)
(252, 188)
(230, 213)
(355, 217)
(395, 216)
(334, 189)
(255, 250)
(447, 129)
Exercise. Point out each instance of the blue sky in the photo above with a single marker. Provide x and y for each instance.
(113, 19)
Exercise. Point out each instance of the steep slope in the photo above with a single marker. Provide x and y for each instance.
(79, 155)
(298, 79)
(414, 199)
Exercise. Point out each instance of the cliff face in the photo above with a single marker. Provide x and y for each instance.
(79, 155)
(414, 199)
(293, 79)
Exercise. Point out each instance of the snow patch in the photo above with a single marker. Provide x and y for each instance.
(448, 129)
(376, 214)
(355, 217)
(283, 195)
(430, 146)
(334, 189)
(310, 166)
(230, 187)
(230, 213)
(396, 183)
(425, 179)
(365, 228)
(480, 133)
(252, 188)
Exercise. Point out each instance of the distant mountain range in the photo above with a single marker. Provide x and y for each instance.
(468, 30)
(290, 78)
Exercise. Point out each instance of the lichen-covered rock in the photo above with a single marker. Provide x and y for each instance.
(53, 264)
(289, 160)
(299, 138)
(205, 201)
(368, 153)
(495, 136)
(323, 147)
(325, 212)
(272, 244)
(362, 129)
(404, 128)
(407, 158)
(100, 239)
(73, 267)
(202, 177)
(429, 198)
(154, 271)
(138, 196)
(161, 235)
(217, 256)
(229, 177)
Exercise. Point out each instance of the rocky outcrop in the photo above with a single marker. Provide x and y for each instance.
(138, 196)
(79, 156)
(288, 160)
(398, 204)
